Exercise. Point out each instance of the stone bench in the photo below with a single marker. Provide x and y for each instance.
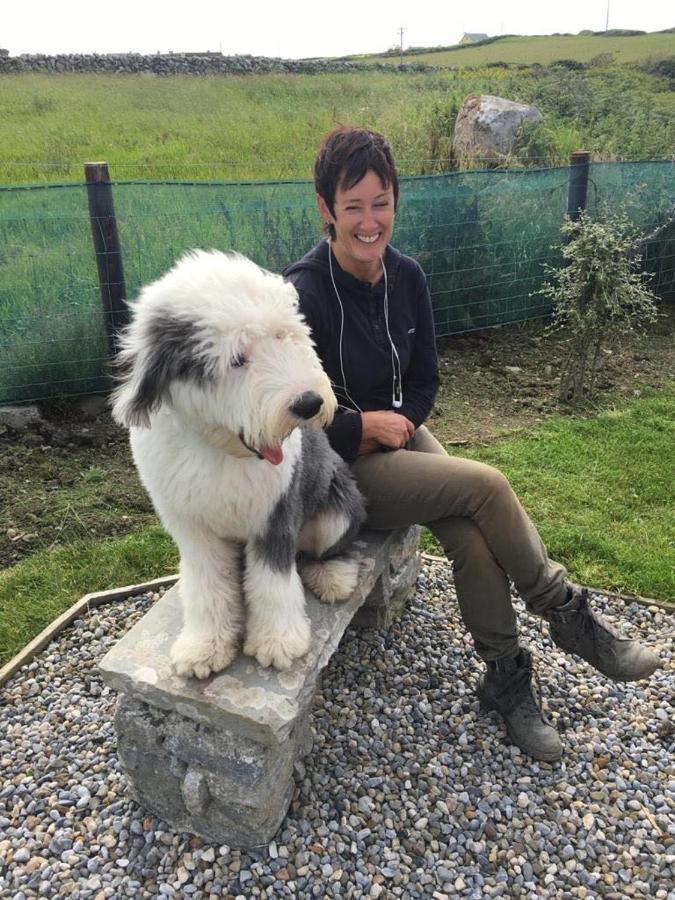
(216, 757)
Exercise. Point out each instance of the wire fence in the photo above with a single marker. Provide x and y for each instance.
(483, 239)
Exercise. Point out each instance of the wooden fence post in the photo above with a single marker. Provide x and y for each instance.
(578, 183)
(107, 249)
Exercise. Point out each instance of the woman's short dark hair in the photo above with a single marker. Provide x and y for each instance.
(346, 155)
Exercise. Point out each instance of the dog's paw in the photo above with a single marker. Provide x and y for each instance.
(330, 579)
(201, 657)
(280, 650)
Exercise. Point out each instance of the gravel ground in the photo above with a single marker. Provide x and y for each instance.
(410, 791)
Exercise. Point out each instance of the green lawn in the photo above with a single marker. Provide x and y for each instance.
(600, 490)
(37, 590)
(602, 493)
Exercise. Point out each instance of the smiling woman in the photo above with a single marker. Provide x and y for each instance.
(369, 310)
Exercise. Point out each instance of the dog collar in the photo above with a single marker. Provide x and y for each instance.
(248, 446)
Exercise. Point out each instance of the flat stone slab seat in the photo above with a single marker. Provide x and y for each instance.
(216, 757)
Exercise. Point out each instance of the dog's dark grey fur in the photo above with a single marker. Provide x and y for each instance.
(173, 356)
(321, 482)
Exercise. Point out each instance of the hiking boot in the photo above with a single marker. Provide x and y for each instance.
(507, 688)
(575, 627)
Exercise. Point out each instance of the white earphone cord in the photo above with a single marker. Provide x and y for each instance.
(343, 388)
(396, 399)
(396, 396)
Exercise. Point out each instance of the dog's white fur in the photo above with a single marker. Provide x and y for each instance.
(212, 364)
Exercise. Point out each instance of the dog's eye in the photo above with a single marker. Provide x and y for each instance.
(238, 361)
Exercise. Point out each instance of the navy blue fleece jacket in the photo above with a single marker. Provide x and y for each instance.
(366, 350)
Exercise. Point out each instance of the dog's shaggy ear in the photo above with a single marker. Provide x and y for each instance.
(154, 353)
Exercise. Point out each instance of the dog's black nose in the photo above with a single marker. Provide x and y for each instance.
(307, 405)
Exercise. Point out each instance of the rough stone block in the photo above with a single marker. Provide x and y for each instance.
(211, 781)
(20, 418)
(396, 583)
(486, 127)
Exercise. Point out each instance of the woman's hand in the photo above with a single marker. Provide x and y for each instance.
(384, 428)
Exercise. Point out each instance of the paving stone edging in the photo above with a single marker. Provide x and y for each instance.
(89, 601)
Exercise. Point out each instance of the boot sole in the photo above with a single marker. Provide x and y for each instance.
(487, 706)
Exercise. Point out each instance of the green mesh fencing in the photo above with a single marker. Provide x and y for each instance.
(646, 191)
(483, 239)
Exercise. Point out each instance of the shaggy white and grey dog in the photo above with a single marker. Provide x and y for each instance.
(218, 373)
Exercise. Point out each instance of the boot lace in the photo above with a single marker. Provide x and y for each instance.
(601, 631)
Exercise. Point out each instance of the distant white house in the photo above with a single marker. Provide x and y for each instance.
(472, 38)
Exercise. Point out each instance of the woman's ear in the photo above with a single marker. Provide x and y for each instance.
(324, 212)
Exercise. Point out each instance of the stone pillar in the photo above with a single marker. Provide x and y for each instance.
(222, 783)
(399, 567)
(215, 757)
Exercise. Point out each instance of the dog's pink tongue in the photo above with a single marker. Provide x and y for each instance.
(273, 455)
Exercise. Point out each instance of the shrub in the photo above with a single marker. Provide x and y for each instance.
(620, 32)
(596, 295)
(664, 67)
(573, 65)
(535, 142)
(440, 129)
(602, 59)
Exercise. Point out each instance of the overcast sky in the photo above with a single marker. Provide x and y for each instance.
(299, 28)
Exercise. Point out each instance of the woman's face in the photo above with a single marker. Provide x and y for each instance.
(363, 222)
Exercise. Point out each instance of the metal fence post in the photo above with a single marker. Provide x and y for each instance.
(107, 249)
(578, 184)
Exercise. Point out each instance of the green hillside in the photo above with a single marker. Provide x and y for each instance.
(545, 49)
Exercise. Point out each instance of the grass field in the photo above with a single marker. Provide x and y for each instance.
(545, 49)
(253, 127)
(268, 126)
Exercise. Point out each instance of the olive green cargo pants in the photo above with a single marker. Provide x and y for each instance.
(485, 532)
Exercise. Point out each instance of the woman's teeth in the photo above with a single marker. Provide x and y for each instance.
(368, 239)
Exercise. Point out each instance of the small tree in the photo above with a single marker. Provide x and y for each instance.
(597, 295)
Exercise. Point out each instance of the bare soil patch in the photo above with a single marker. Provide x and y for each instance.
(72, 477)
(501, 381)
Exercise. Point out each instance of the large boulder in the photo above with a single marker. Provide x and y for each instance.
(486, 128)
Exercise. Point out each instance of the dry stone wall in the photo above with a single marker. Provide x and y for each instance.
(181, 64)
